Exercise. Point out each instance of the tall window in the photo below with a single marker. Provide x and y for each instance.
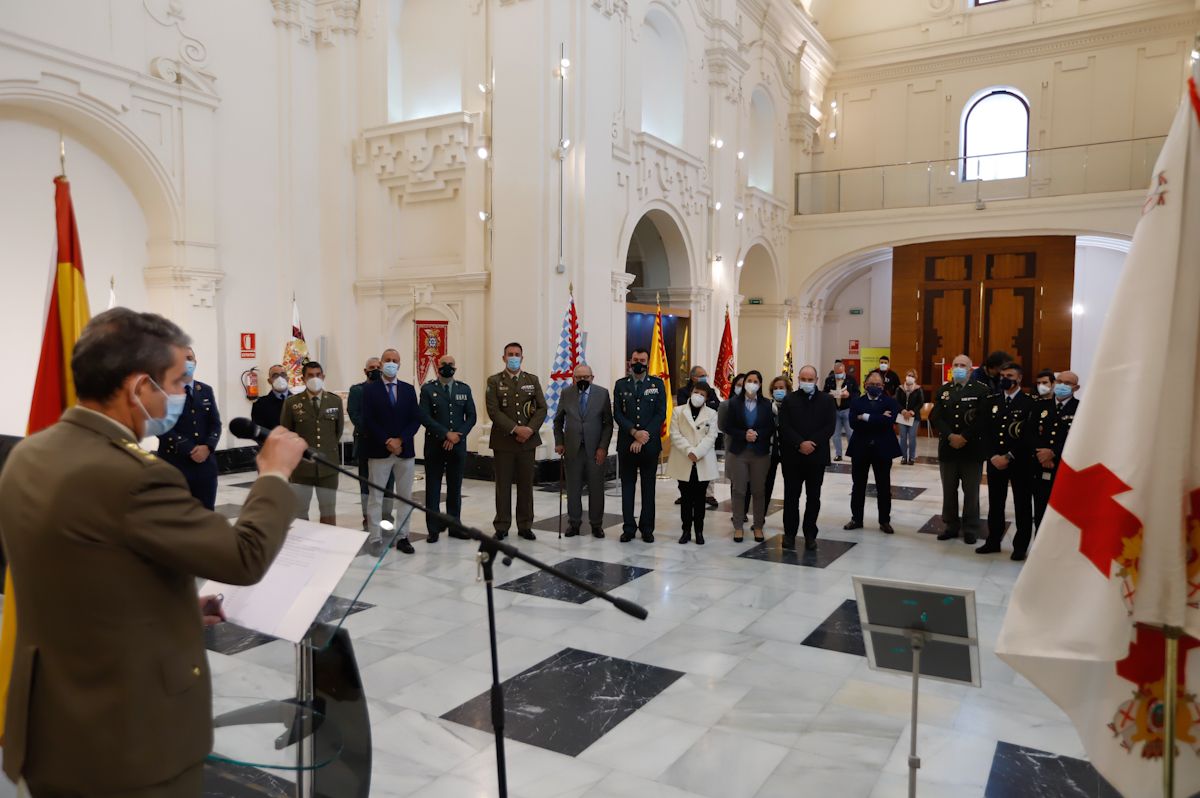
(995, 136)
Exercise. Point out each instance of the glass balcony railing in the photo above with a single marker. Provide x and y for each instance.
(1049, 172)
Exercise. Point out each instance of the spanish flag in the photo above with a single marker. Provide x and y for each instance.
(659, 367)
(54, 390)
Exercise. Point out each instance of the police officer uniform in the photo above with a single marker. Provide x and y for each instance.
(319, 420)
(445, 407)
(198, 424)
(962, 410)
(514, 401)
(639, 403)
(1006, 417)
(1049, 422)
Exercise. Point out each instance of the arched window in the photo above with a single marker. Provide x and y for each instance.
(996, 122)
(761, 173)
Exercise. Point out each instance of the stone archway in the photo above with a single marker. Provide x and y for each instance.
(762, 315)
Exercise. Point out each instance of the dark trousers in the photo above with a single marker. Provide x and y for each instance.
(439, 462)
(806, 478)
(968, 473)
(581, 470)
(365, 473)
(770, 486)
(201, 477)
(188, 783)
(999, 481)
(860, 467)
(514, 466)
(1041, 494)
(691, 509)
(632, 466)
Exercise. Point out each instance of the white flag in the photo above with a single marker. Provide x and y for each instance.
(1120, 544)
(295, 353)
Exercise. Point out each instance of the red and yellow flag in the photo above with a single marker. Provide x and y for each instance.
(659, 367)
(54, 390)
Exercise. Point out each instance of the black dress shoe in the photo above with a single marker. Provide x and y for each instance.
(527, 534)
(789, 544)
(500, 535)
(648, 537)
(571, 532)
(988, 548)
(810, 545)
(886, 528)
(838, 458)
(853, 524)
(457, 535)
(686, 537)
(403, 545)
(679, 500)
(949, 534)
(627, 536)
(1017, 556)
(432, 537)
(699, 538)
(597, 532)
(969, 538)
(711, 501)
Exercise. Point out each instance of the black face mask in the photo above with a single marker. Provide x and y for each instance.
(583, 385)
(1006, 384)
(446, 370)
(638, 368)
(375, 375)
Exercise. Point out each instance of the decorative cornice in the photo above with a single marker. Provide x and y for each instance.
(1004, 53)
(336, 17)
(664, 171)
(447, 286)
(620, 285)
(610, 7)
(189, 67)
(201, 284)
(422, 159)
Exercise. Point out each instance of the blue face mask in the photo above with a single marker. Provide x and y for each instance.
(960, 374)
(779, 394)
(874, 391)
(390, 370)
(808, 387)
(189, 367)
(702, 380)
(1062, 391)
(161, 426)
(513, 363)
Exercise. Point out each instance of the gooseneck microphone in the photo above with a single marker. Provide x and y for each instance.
(247, 429)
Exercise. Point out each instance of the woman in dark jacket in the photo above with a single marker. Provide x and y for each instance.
(750, 427)
(910, 397)
(872, 447)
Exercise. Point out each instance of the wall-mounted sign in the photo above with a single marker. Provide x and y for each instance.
(754, 300)
(249, 349)
(854, 347)
(856, 311)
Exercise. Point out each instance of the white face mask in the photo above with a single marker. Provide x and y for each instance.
(698, 400)
(808, 387)
(883, 366)
(1044, 389)
(279, 384)
(315, 384)
(910, 382)
(737, 390)
(752, 388)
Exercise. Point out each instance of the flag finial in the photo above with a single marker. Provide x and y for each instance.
(62, 156)
(657, 298)
(571, 288)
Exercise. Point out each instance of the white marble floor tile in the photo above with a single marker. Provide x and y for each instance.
(644, 744)
(725, 765)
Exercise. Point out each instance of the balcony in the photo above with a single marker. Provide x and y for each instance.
(1049, 172)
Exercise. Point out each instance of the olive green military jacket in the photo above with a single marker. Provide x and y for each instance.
(110, 686)
(515, 402)
(320, 427)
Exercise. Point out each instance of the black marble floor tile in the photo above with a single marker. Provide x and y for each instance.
(551, 524)
(1020, 772)
(229, 638)
(773, 506)
(771, 550)
(838, 468)
(604, 575)
(568, 701)
(223, 780)
(841, 631)
(899, 492)
(934, 526)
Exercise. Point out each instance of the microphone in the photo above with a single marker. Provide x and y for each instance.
(247, 429)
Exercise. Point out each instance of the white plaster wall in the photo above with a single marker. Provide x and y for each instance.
(1097, 270)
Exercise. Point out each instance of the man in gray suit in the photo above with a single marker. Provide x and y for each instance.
(583, 428)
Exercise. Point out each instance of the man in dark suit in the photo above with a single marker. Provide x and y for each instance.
(699, 376)
(873, 448)
(582, 432)
(191, 443)
(1048, 426)
(354, 402)
(268, 408)
(390, 420)
(640, 410)
(1009, 463)
(989, 373)
(448, 414)
(806, 421)
(110, 691)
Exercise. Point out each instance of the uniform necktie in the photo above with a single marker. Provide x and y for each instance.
(583, 400)
(317, 405)
(188, 390)
(392, 392)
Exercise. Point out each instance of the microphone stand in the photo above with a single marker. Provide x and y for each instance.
(489, 549)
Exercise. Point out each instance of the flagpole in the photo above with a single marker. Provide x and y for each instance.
(1170, 696)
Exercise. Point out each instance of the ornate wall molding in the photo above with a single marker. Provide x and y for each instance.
(201, 285)
(336, 17)
(664, 172)
(187, 66)
(426, 287)
(620, 285)
(610, 7)
(420, 160)
(767, 216)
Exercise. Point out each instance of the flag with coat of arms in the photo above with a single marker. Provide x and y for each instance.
(1117, 558)
(567, 356)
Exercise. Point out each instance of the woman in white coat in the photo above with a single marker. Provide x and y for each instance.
(693, 460)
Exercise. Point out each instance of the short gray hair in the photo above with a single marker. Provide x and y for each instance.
(120, 342)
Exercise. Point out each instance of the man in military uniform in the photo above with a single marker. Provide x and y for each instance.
(517, 408)
(1050, 421)
(110, 691)
(959, 416)
(354, 408)
(448, 414)
(316, 415)
(191, 443)
(640, 410)
(1009, 463)
(268, 408)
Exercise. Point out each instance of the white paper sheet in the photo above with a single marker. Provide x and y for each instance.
(286, 602)
(908, 422)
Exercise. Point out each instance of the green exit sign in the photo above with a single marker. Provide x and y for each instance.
(755, 300)
(856, 311)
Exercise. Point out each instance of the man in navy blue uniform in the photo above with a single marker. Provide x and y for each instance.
(448, 414)
(640, 410)
(390, 419)
(190, 444)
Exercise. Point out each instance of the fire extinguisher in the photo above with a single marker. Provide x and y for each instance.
(250, 382)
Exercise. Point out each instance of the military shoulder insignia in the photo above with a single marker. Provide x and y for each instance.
(995, 408)
(1045, 413)
(136, 450)
(945, 394)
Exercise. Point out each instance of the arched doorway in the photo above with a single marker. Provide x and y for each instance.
(762, 317)
(657, 257)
